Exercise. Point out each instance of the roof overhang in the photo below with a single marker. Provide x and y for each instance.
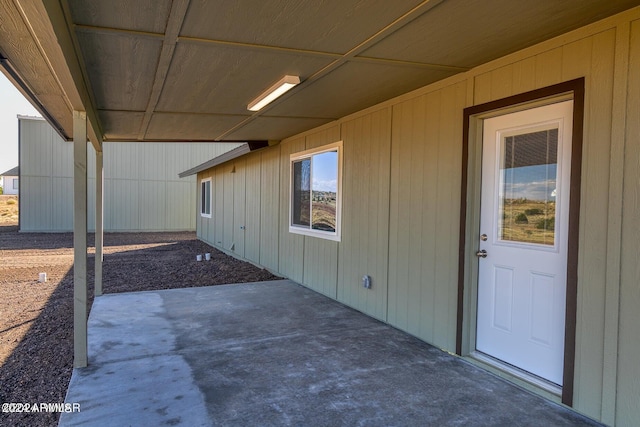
(183, 70)
(15, 171)
(245, 148)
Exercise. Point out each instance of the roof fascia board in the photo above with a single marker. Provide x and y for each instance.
(67, 64)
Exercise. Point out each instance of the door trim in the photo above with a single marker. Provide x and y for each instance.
(471, 151)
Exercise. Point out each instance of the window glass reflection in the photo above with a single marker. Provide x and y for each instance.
(528, 187)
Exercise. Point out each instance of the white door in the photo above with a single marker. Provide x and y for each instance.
(523, 233)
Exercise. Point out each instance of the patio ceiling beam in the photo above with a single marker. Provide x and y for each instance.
(350, 57)
(174, 24)
(93, 29)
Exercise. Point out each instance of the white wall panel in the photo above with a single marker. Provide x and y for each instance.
(62, 158)
(35, 205)
(162, 200)
(153, 161)
(121, 161)
(152, 204)
(35, 148)
(61, 216)
(179, 195)
(121, 205)
(91, 163)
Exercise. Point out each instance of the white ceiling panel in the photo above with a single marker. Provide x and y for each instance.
(274, 128)
(121, 125)
(208, 78)
(185, 127)
(349, 89)
(467, 33)
(121, 68)
(329, 26)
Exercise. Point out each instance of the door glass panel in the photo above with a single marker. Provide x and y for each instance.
(527, 199)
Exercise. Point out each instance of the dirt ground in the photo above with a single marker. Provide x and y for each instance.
(36, 319)
(8, 209)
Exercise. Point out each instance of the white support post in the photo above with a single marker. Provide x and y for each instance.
(79, 239)
(99, 239)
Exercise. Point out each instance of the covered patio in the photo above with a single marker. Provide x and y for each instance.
(235, 355)
(401, 91)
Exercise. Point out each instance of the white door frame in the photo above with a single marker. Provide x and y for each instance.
(470, 221)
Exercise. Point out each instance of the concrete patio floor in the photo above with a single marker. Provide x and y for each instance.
(276, 353)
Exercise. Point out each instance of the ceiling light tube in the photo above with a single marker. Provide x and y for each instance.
(280, 88)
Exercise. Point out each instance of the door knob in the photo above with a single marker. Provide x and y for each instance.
(481, 254)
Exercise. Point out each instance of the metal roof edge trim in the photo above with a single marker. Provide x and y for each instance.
(245, 148)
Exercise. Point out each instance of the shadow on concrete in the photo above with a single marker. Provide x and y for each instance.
(39, 368)
(276, 353)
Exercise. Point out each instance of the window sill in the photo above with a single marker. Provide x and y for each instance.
(335, 237)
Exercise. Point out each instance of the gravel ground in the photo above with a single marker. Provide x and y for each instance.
(36, 319)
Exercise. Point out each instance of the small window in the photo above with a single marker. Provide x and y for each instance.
(205, 197)
(16, 183)
(316, 184)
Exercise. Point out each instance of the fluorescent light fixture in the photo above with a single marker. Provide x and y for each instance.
(280, 88)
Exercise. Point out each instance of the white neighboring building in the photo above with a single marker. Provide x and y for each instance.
(142, 190)
(11, 181)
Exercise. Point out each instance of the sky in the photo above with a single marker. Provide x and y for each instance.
(325, 171)
(12, 103)
(531, 182)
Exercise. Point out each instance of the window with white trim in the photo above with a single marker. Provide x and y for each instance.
(205, 198)
(316, 191)
(16, 183)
